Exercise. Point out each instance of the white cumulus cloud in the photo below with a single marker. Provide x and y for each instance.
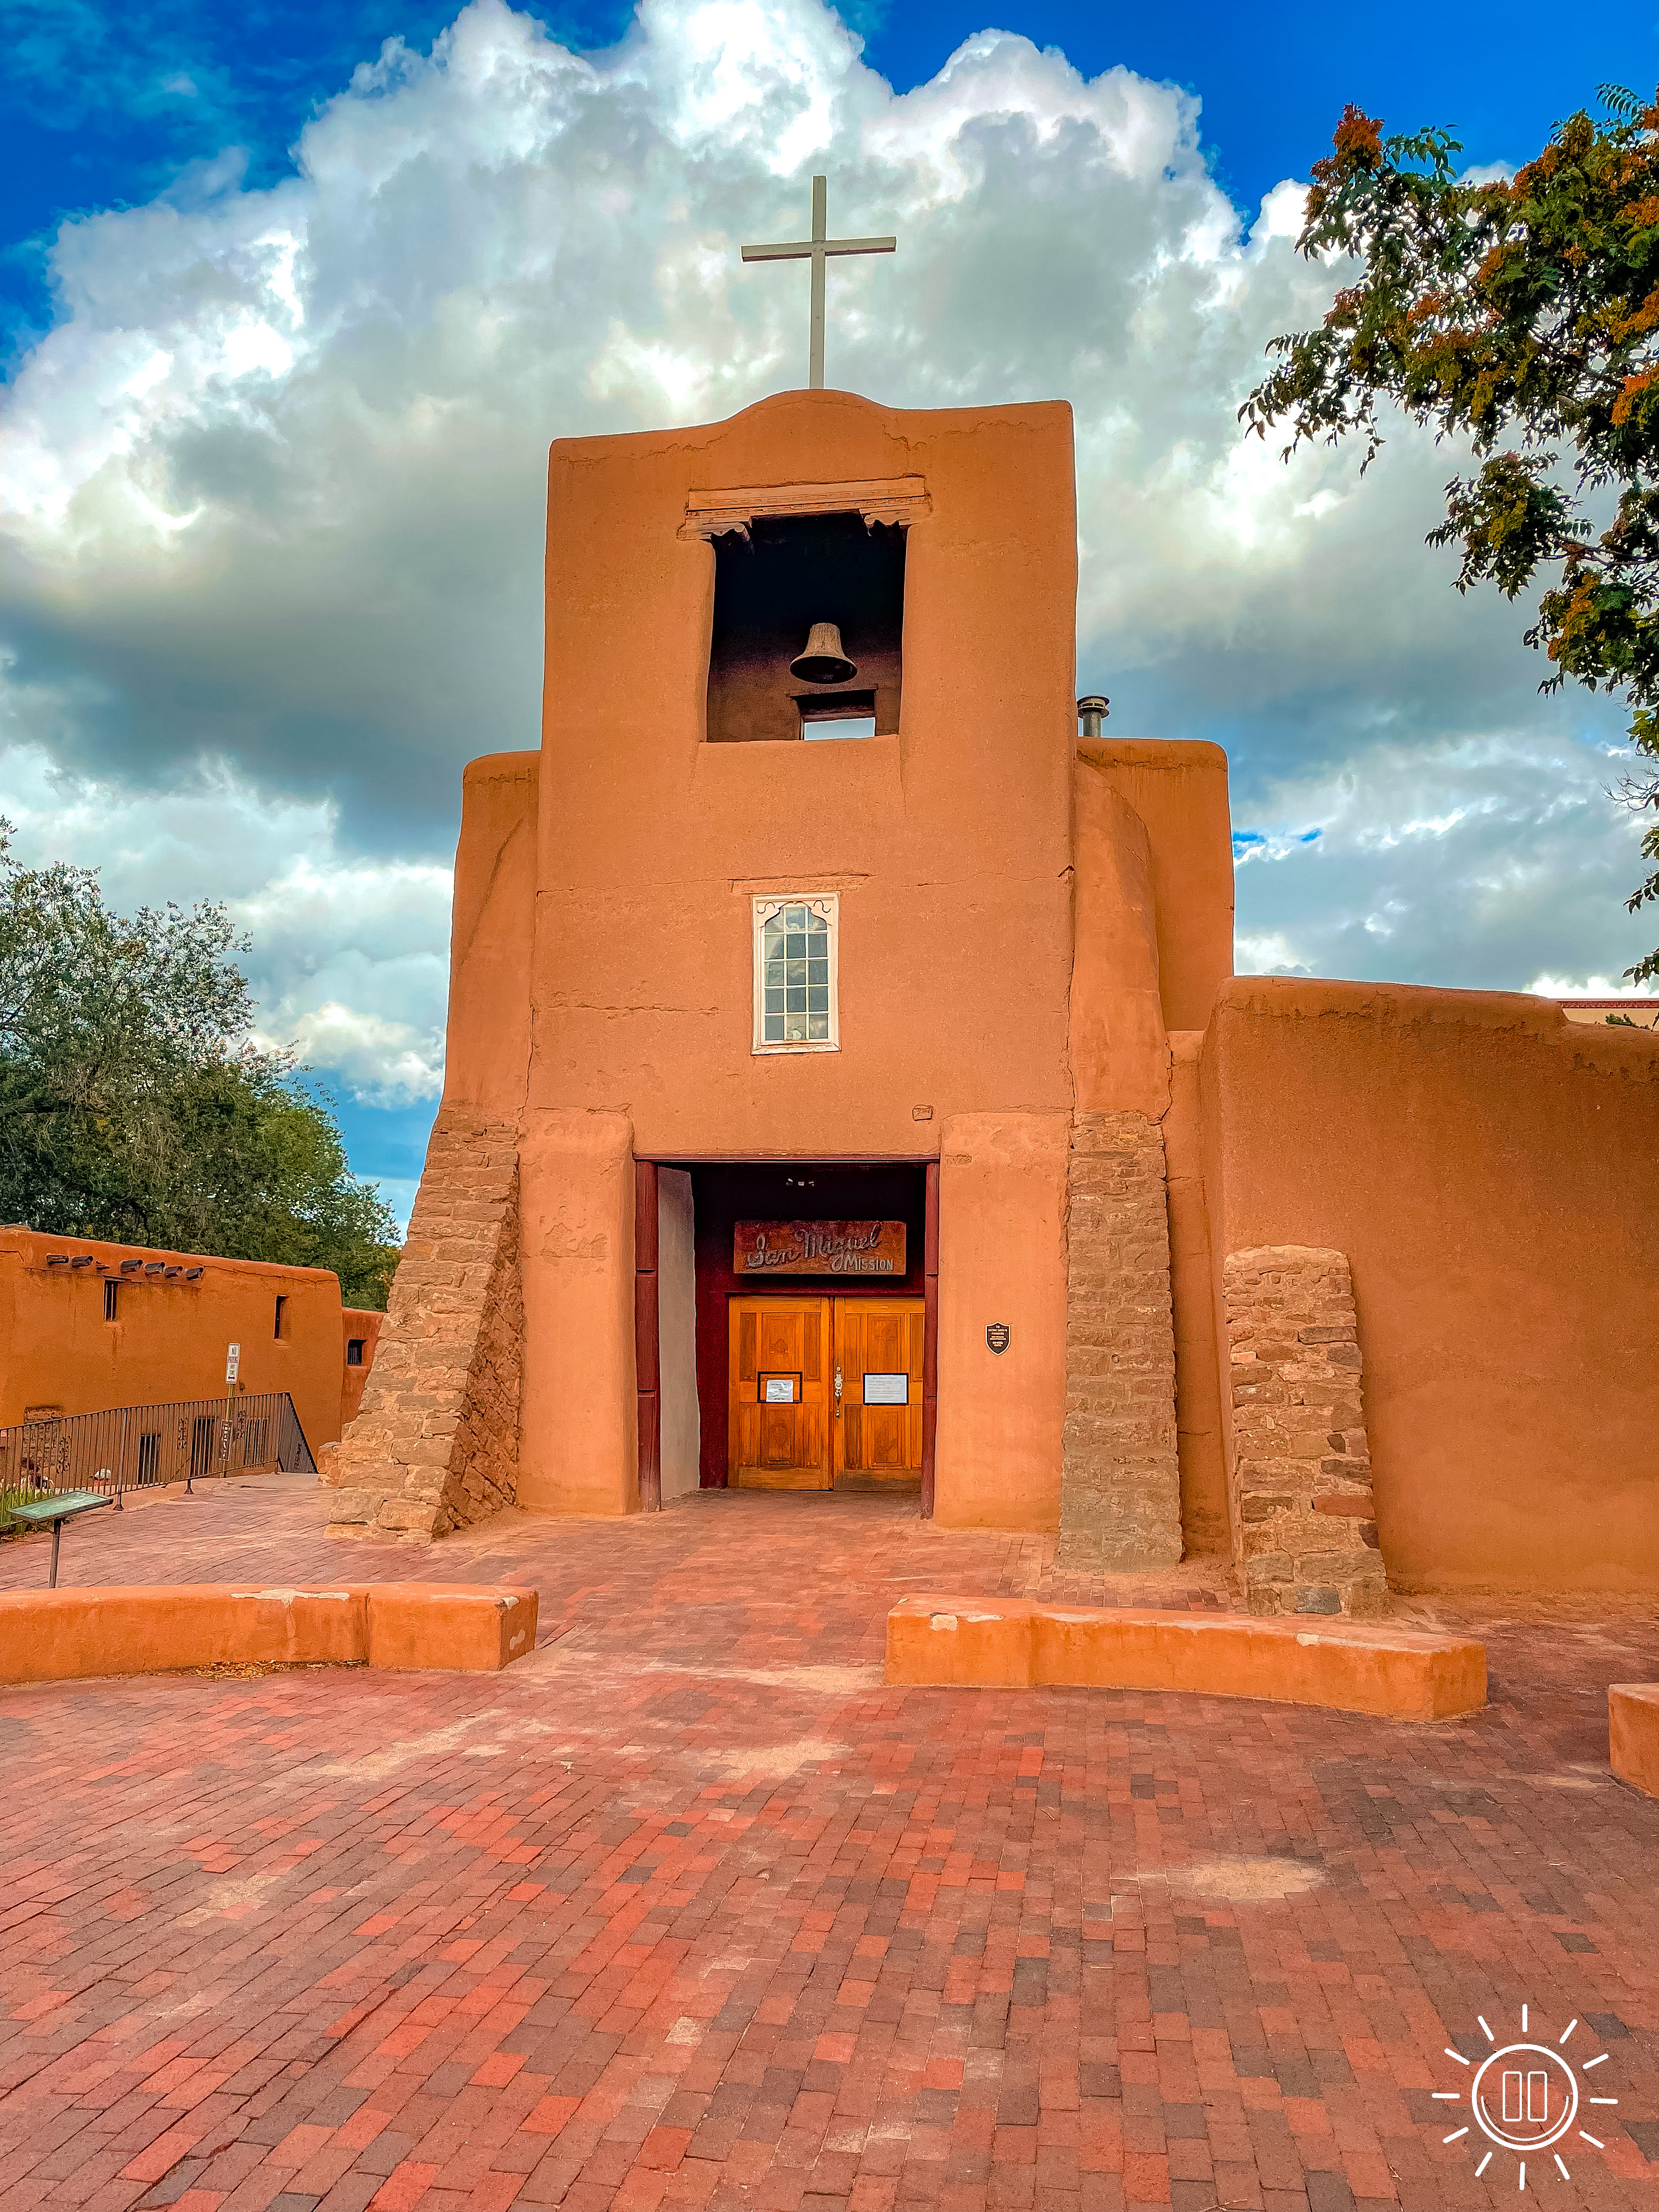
(271, 491)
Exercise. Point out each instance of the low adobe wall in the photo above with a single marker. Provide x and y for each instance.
(175, 1316)
(1399, 1674)
(1633, 1735)
(1484, 1165)
(67, 1635)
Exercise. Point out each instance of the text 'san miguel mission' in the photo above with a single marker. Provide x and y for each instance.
(818, 1248)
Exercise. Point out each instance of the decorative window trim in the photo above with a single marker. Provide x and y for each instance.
(901, 500)
(827, 905)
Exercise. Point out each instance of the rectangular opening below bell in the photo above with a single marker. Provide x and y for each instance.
(837, 714)
(862, 726)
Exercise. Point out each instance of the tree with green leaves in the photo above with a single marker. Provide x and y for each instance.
(1523, 316)
(134, 1105)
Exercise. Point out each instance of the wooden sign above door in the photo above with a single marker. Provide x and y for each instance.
(818, 1248)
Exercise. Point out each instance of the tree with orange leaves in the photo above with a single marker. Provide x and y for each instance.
(1524, 316)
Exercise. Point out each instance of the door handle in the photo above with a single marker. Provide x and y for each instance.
(838, 1389)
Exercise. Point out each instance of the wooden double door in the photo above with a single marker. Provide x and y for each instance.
(825, 1390)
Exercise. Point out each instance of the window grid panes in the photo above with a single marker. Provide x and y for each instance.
(795, 977)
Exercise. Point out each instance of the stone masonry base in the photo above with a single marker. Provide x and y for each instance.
(1120, 1504)
(1304, 1526)
(436, 1446)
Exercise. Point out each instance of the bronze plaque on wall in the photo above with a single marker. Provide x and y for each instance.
(818, 1248)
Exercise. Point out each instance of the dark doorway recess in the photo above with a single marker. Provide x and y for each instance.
(769, 589)
(788, 1190)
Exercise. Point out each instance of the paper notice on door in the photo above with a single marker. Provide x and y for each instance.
(781, 1390)
(886, 1389)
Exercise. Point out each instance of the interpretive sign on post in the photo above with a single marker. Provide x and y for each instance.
(228, 1426)
(818, 1248)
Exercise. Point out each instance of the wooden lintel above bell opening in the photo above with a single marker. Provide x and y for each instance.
(899, 500)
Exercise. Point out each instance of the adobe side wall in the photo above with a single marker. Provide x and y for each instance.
(1001, 1259)
(493, 916)
(578, 1439)
(1486, 1169)
(170, 1335)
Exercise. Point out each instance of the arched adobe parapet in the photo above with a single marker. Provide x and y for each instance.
(1177, 790)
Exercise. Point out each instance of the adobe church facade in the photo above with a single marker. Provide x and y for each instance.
(848, 1087)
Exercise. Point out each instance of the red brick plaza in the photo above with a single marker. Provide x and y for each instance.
(689, 1909)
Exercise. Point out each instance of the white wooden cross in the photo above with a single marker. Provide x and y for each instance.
(816, 250)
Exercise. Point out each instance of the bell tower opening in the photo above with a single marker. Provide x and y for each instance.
(808, 630)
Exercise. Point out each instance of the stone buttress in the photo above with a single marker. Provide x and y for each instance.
(1303, 1518)
(436, 1446)
(1121, 1484)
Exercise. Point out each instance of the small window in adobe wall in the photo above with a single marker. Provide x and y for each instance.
(797, 981)
(281, 1328)
(791, 576)
(354, 1350)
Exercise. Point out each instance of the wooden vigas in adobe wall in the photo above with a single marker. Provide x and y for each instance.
(85, 1325)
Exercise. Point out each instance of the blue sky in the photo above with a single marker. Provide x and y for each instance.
(289, 321)
(103, 106)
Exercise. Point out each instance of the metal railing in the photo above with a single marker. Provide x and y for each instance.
(142, 1447)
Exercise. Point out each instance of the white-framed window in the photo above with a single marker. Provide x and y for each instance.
(795, 979)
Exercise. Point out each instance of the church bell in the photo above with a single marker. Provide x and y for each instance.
(821, 660)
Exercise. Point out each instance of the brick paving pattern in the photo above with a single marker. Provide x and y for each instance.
(690, 1910)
